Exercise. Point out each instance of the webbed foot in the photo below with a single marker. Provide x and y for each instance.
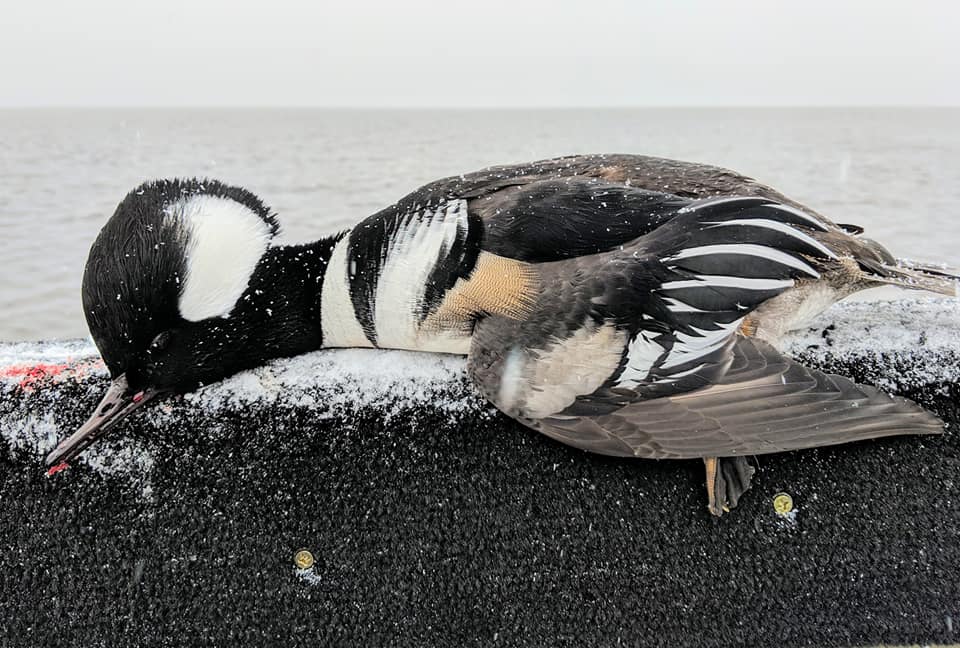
(728, 478)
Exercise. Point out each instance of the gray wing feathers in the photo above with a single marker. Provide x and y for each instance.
(765, 403)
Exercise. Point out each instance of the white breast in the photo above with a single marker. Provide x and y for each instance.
(412, 253)
(337, 315)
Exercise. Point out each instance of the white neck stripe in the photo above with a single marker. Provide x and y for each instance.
(338, 318)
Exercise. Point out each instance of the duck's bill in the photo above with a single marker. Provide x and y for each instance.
(118, 402)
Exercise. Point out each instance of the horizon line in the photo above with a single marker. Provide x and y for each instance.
(403, 107)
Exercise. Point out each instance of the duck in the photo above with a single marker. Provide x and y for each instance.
(625, 305)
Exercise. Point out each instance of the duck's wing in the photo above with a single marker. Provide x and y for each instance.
(762, 403)
(464, 242)
(691, 180)
(569, 206)
(640, 352)
(440, 253)
(553, 219)
(565, 208)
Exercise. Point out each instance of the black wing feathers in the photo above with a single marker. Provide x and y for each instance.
(714, 263)
(560, 219)
(728, 256)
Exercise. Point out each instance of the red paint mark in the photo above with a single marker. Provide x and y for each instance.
(138, 397)
(63, 465)
(31, 374)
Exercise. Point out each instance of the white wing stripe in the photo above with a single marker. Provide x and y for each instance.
(641, 354)
(711, 202)
(722, 281)
(677, 306)
(687, 348)
(802, 214)
(681, 374)
(746, 249)
(779, 227)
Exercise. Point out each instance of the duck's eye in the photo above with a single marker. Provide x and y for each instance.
(161, 341)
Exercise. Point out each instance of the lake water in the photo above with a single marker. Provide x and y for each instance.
(62, 172)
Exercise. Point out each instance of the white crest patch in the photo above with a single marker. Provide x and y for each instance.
(224, 243)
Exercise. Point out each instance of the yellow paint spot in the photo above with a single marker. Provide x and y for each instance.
(303, 559)
(782, 503)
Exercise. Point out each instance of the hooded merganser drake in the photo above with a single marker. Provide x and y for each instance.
(625, 305)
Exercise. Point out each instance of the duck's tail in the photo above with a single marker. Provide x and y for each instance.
(906, 273)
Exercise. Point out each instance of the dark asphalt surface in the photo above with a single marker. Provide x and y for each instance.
(471, 531)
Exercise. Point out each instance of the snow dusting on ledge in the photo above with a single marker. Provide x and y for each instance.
(920, 329)
(347, 380)
(903, 344)
(896, 345)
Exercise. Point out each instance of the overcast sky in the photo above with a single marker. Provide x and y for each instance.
(479, 53)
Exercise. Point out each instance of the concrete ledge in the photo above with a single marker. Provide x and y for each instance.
(433, 520)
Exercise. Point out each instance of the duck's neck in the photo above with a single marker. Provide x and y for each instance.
(340, 297)
(359, 289)
(282, 303)
(375, 292)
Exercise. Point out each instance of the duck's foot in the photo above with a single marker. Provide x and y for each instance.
(727, 479)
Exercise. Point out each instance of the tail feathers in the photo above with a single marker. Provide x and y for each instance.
(912, 275)
(938, 269)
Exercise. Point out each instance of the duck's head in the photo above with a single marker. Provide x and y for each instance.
(183, 288)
